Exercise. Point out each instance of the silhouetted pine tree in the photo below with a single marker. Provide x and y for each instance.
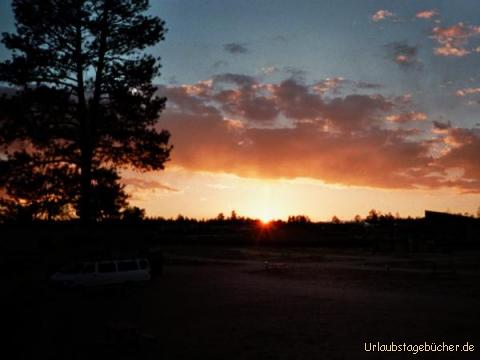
(84, 104)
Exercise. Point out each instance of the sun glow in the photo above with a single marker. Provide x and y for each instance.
(265, 222)
(265, 217)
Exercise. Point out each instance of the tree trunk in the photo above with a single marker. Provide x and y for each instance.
(86, 214)
(90, 118)
(85, 201)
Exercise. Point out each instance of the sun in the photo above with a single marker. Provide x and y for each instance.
(265, 218)
(265, 222)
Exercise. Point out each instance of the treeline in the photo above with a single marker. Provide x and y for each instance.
(384, 233)
(137, 215)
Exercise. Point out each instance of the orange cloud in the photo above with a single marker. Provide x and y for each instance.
(451, 50)
(382, 15)
(407, 117)
(467, 91)
(341, 140)
(426, 14)
(454, 39)
(464, 155)
(376, 158)
(329, 84)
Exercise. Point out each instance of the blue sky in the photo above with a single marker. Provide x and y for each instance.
(322, 38)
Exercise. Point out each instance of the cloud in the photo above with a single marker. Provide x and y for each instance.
(296, 101)
(295, 73)
(244, 100)
(236, 48)
(245, 103)
(406, 117)
(403, 54)
(234, 123)
(467, 91)
(461, 136)
(426, 14)
(337, 140)
(243, 97)
(142, 184)
(355, 112)
(463, 154)
(269, 70)
(382, 15)
(238, 79)
(440, 125)
(367, 85)
(453, 40)
(329, 84)
(376, 158)
(451, 50)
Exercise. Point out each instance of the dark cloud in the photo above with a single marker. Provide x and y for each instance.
(356, 112)
(439, 125)
(367, 85)
(236, 48)
(248, 105)
(403, 54)
(295, 73)
(142, 184)
(180, 99)
(245, 99)
(297, 101)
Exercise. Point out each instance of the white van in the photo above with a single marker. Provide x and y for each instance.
(105, 272)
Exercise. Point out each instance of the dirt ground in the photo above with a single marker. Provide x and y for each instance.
(255, 303)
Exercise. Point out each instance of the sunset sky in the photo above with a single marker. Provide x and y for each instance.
(315, 107)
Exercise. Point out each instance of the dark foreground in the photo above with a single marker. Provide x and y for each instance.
(227, 303)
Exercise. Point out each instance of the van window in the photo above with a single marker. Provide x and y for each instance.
(106, 267)
(143, 264)
(127, 266)
(88, 268)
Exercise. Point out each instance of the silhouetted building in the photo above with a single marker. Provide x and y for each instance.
(451, 230)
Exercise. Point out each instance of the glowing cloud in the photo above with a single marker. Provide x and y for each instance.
(467, 91)
(426, 14)
(382, 15)
(338, 140)
(454, 39)
(407, 117)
